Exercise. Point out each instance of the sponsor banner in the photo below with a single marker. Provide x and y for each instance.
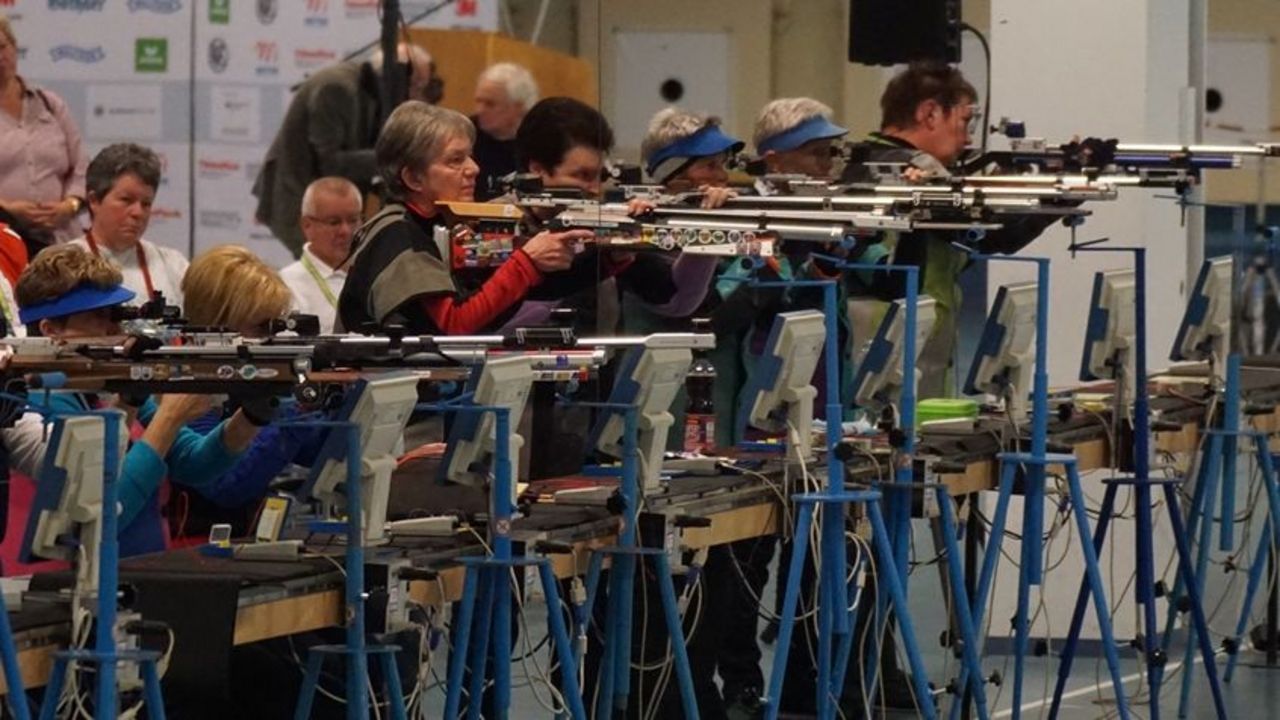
(235, 117)
(124, 112)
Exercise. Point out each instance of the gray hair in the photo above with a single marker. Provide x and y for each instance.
(120, 159)
(783, 114)
(515, 79)
(415, 55)
(414, 137)
(332, 185)
(670, 125)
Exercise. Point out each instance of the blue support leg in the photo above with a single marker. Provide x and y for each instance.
(391, 675)
(458, 658)
(310, 679)
(961, 610)
(1195, 512)
(852, 600)
(1260, 558)
(563, 648)
(679, 652)
(1201, 623)
(1082, 601)
(53, 692)
(1102, 608)
(607, 673)
(990, 559)
(151, 686)
(880, 536)
(1205, 547)
(17, 696)
(502, 641)
(791, 596)
(483, 644)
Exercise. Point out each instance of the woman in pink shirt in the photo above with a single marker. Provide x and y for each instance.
(42, 163)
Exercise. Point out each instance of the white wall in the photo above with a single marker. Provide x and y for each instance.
(1110, 69)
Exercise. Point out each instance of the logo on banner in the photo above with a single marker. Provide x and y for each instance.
(219, 55)
(164, 7)
(360, 8)
(213, 169)
(129, 111)
(268, 53)
(306, 59)
(165, 213)
(77, 53)
(151, 55)
(317, 13)
(220, 219)
(466, 8)
(267, 10)
(77, 5)
(220, 11)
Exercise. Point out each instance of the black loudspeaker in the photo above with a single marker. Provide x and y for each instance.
(889, 32)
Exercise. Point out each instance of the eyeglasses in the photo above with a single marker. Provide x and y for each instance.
(333, 223)
(975, 119)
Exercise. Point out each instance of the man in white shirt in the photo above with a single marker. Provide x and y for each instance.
(121, 185)
(330, 215)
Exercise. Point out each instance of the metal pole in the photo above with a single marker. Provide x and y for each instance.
(357, 661)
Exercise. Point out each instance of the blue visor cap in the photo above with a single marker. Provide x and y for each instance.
(83, 299)
(815, 128)
(707, 141)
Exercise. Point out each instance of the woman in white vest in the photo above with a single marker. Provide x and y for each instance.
(121, 185)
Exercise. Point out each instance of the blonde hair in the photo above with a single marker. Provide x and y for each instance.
(6, 29)
(231, 287)
(58, 270)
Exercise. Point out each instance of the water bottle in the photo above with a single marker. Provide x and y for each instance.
(700, 411)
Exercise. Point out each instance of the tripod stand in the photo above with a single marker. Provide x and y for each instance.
(1142, 484)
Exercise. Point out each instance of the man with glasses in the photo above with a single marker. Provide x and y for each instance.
(330, 215)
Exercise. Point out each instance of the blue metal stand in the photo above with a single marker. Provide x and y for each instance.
(1142, 483)
(485, 610)
(899, 505)
(1217, 464)
(835, 617)
(105, 655)
(615, 670)
(1036, 463)
(355, 650)
(1270, 534)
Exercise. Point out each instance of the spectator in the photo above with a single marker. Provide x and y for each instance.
(330, 214)
(329, 129)
(121, 184)
(504, 93)
(42, 162)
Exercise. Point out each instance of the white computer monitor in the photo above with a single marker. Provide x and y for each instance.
(649, 380)
(502, 382)
(1005, 362)
(1111, 333)
(66, 514)
(380, 406)
(781, 392)
(879, 382)
(1205, 332)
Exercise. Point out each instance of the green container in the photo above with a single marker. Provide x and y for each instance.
(945, 409)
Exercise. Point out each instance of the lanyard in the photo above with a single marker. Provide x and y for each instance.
(142, 262)
(320, 281)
